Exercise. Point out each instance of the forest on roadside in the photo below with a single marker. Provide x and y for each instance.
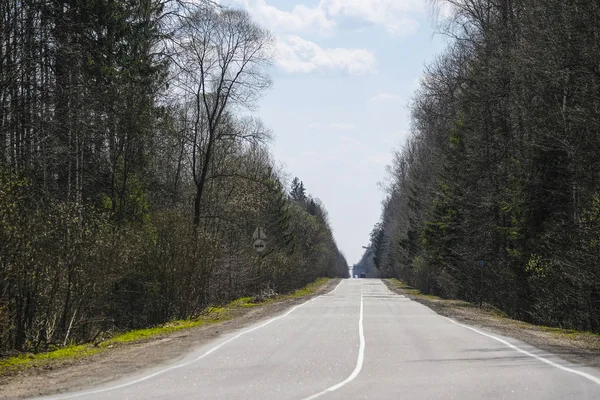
(495, 197)
(133, 174)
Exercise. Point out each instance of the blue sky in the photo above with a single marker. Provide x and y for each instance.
(343, 78)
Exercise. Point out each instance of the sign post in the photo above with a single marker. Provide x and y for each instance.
(480, 264)
(259, 238)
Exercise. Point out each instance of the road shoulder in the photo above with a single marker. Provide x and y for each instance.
(574, 346)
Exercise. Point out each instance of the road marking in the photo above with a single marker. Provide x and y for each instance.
(177, 366)
(337, 286)
(590, 377)
(359, 361)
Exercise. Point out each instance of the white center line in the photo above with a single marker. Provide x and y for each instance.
(359, 361)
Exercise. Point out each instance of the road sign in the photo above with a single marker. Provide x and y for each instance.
(259, 233)
(260, 245)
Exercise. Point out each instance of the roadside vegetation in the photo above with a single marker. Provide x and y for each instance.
(134, 176)
(211, 315)
(495, 197)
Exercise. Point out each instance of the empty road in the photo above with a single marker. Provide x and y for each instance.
(360, 341)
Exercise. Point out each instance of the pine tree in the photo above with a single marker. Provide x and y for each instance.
(298, 192)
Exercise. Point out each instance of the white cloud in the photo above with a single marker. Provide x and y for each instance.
(333, 127)
(300, 19)
(384, 98)
(296, 55)
(396, 16)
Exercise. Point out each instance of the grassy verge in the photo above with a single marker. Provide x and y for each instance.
(552, 338)
(28, 360)
(72, 352)
(309, 289)
(211, 315)
(439, 302)
(248, 302)
(410, 290)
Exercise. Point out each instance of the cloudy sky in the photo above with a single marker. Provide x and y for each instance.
(344, 75)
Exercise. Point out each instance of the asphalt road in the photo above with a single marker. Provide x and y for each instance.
(360, 341)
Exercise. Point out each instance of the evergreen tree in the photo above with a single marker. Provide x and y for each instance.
(298, 192)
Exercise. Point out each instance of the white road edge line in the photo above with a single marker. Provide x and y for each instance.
(177, 366)
(359, 361)
(590, 377)
(334, 289)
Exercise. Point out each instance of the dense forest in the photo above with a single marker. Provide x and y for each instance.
(495, 197)
(133, 174)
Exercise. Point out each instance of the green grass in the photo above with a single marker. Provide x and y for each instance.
(247, 302)
(562, 332)
(211, 315)
(411, 290)
(244, 302)
(308, 289)
(28, 360)
(558, 330)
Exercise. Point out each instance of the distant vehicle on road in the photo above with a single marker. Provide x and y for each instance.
(363, 275)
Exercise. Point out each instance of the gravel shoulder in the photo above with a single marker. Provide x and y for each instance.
(129, 358)
(574, 346)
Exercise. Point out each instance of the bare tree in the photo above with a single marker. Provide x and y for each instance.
(223, 58)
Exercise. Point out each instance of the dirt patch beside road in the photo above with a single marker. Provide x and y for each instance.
(574, 346)
(129, 358)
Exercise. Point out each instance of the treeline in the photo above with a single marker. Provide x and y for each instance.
(496, 195)
(366, 266)
(130, 180)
